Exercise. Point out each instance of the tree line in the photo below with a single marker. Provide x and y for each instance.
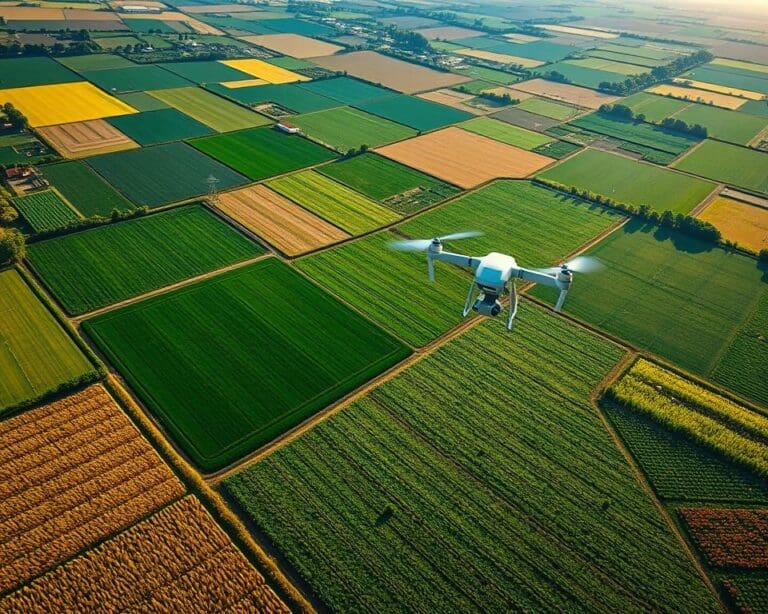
(625, 113)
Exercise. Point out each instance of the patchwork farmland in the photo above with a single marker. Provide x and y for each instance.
(228, 382)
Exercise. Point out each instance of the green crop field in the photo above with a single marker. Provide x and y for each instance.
(44, 210)
(23, 72)
(431, 489)
(667, 293)
(344, 128)
(113, 42)
(334, 202)
(730, 77)
(36, 355)
(488, 74)
(346, 90)
(610, 66)
(134, 79)
(679, 469)
(161, 126)
(205, 72)
(755, 107)
(548, 108)
(506, 133)
(655, 108)
(226, 368)
(290, 63)
(630, 182)
(94, 61)
(625, 58)
(636, 132)
(209, 109)
(98, 267)
(722, 124)
(475, 87)
(399, 187)
(537, 225)
(85, 189)
(264, 152)
(580, 75)
(414, 112)
(737, 166)
(162, 174)
(288, 96)
(142, 101)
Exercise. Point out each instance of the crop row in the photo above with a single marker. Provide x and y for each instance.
(470, 502)
(73, 472)
(730, 537)
(178, 560)
(44, 210)
(748, 592)
(636, 393)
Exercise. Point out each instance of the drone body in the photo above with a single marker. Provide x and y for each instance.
(496, 274)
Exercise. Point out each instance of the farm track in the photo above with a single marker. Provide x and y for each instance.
(707, 201)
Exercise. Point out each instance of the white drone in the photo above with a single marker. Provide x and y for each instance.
(495, 274)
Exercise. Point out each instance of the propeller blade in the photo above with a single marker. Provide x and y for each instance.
(461, 235)
(580, 264)
(416, 245)
(430, 268)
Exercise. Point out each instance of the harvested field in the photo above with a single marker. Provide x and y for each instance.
(721, 89)
(177, 560)
(264, 152)
(37, 355)
(524, 119)
(294, 45)
(578, 31)
(168, 16)
(629, 181)
(97, 267)
(344, 128)
(85, 189)
(500, 58)
(390, 72)
(731, 164)
(161, 126)
(457, 100)
(414, 112)
(74, 472)
(346, 90)
(44, 210)
(396, 509)
(209, 109)
(745, 224)
(481, 159)
(279, 221)
(741, 51)
(199, 374)
(87, 138)
(334, 202)
(564, 92)
(64, 103)
(689, 93)
(243, 83)
(264, 70)
(25, 13)
(162, 174)
(447, 33)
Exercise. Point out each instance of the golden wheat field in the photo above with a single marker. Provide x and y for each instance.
(689, 93)
(178, 560)
(88, 138)
(64, 103)
(264, 70)
(71, 473)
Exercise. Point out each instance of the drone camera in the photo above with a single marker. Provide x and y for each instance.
(487, 304)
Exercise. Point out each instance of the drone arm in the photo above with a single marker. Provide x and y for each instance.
(538, 277)
(457, 259)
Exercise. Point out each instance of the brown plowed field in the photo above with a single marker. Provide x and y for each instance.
(501, 58)
(464, 158)
(390, 72)
(87, 138)
(281, 222)
(178, 560)
(580, 96)
(72, 472)
(294, 45)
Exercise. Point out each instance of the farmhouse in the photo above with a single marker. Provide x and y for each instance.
(288, 128)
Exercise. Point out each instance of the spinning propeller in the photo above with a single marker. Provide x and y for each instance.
(580, 264)
(431, 246)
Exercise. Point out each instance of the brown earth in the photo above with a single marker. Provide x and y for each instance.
(281, 222)
(464, 158)
(457, 100)
(390, 72)
(580, 96)
(295, 45)
(88, 138)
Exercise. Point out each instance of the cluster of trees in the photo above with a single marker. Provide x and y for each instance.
(685, 224)
(634, 83)
(623, 112)
(555, 76)
(407, 41)
(15, 117)
(73, 48)
(13, 244)
(500, 98)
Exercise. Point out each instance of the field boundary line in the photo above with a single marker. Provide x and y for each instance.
(707, 200)
(174, 286)
(619, 369)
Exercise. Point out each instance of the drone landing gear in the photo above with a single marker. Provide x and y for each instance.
(487, 303)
